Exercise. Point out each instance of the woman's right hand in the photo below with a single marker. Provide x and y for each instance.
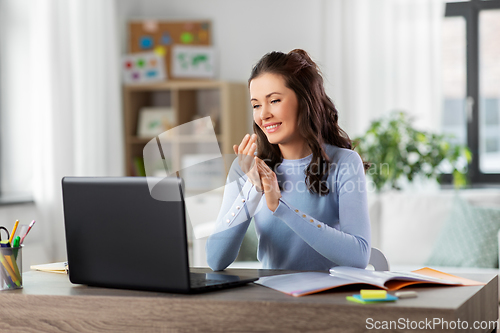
(245, 152)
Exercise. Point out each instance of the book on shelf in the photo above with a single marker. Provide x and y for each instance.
(139, 167)
(305, 283)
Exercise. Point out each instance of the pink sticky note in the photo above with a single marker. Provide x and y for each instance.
(150, 26)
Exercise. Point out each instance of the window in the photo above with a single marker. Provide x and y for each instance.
(471, 83)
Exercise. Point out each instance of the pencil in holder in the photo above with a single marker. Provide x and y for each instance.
(11, 268)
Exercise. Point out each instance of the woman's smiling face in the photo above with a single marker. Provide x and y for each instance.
(275, 108)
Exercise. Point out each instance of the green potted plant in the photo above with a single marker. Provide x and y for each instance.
(397, 151)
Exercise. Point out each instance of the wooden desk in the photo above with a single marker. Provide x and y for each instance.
(50, 303)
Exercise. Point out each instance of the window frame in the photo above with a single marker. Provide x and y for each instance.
(470, 10)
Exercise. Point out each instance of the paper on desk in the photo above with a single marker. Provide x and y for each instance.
(56, 267)
(304, 283)
(441, 275)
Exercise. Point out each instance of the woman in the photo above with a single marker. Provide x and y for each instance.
(305, 188)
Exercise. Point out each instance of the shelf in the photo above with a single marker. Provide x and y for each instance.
(227, 103)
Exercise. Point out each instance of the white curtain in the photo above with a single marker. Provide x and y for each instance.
(382, 56)
(74, 95)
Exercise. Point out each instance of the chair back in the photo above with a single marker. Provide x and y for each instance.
(378, 260)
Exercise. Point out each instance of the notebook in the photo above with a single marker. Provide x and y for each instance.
(120, 235)
(305, 283)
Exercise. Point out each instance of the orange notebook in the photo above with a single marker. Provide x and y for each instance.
(305, 283)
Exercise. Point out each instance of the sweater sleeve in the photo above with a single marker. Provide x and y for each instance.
(350, 244)
(239, 204)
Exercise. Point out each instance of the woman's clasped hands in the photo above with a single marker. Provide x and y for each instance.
(257, 171)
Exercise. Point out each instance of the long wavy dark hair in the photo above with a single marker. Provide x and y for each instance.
(317, 115)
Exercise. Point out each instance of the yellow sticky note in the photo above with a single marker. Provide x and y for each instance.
(160, 50)
(372, 294)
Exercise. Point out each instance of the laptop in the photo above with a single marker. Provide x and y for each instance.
(118, 235)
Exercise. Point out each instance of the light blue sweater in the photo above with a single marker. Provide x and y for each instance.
(306, 231)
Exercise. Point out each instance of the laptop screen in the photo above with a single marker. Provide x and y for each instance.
(118, 235)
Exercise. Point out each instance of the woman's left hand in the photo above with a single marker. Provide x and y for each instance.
(269, 183)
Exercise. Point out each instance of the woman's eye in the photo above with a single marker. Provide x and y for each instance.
(275, 101)
(255, 106)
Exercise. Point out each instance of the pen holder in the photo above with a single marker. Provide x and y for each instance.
(11, 268)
